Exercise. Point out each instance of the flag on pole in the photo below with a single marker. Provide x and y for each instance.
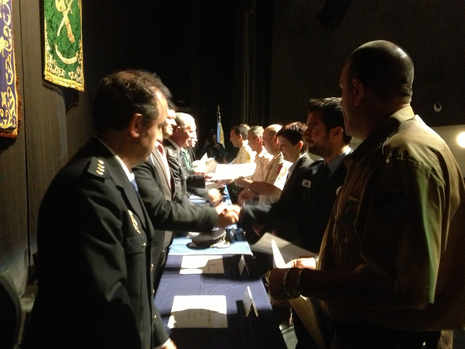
(219, 127)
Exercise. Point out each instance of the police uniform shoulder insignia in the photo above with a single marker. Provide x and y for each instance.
(134, 222)
(97, 167)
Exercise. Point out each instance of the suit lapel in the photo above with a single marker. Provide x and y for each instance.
(290, 181)
(160, 169)
(134, 202)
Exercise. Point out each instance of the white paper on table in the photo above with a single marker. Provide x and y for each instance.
(233, 171)
(288, 250)
(198, 312)
(202, 265)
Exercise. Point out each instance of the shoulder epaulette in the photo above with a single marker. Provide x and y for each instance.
(97, 168)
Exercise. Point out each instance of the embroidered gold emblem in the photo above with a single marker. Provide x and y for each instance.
(134, 222)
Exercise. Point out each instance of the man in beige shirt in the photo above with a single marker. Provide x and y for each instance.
(238, 138)
(269, 188)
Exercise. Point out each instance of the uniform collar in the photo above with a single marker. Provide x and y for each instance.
(128, 173)
(379, 135)
(333, 165)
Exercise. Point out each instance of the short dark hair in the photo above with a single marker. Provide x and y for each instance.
(294, 132)
(123, 94)
(330, 113)
(383, 68)
(241, 130)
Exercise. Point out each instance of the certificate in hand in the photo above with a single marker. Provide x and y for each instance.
(288, 250)
(301, 305)
(232, 171)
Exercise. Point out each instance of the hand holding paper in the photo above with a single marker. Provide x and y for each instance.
(302, 263)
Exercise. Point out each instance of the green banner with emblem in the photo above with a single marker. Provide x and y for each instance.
(63, 43)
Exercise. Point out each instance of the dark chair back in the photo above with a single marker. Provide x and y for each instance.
(10, 314)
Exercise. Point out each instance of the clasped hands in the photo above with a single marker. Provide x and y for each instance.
(227, 214)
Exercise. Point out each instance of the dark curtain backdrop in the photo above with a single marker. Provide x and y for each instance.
(307, 58)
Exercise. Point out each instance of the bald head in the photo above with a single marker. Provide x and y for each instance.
(383, 68)
(270, 141)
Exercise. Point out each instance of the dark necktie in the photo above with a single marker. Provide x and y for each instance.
(325, 173)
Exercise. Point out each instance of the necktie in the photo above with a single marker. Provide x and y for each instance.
(187, 160)
(134, 184)
(161, 150)
(325, 173)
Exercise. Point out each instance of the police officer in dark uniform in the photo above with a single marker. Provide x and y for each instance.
(96, 245)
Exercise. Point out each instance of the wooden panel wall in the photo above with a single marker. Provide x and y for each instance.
(49, 136)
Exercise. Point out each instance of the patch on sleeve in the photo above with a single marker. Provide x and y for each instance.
(350, 209)
(389, 202)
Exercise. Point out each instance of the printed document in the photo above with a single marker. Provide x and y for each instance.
(202, 265)
(198, 312)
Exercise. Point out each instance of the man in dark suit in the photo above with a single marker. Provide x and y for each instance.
(270, 218)
(325, 136)
(170, 210)
(309, 193)
(97, 247)
(310, 199)
(185, 182)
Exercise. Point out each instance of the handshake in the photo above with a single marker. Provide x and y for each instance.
(227, 214)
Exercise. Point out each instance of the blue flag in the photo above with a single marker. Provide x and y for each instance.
(219, 128)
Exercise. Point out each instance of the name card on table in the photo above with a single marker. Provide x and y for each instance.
(242, 265)
(202, 264)
(248, 302)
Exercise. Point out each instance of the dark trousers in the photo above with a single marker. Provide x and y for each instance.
(362, 337)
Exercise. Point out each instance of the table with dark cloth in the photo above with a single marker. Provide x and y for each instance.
(242, 332)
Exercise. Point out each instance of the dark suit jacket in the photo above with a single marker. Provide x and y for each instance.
(168, 188)
(177, 214)
(166, 183)
(98, 256)
(304, 206)
(185, 183)
(261, 214)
